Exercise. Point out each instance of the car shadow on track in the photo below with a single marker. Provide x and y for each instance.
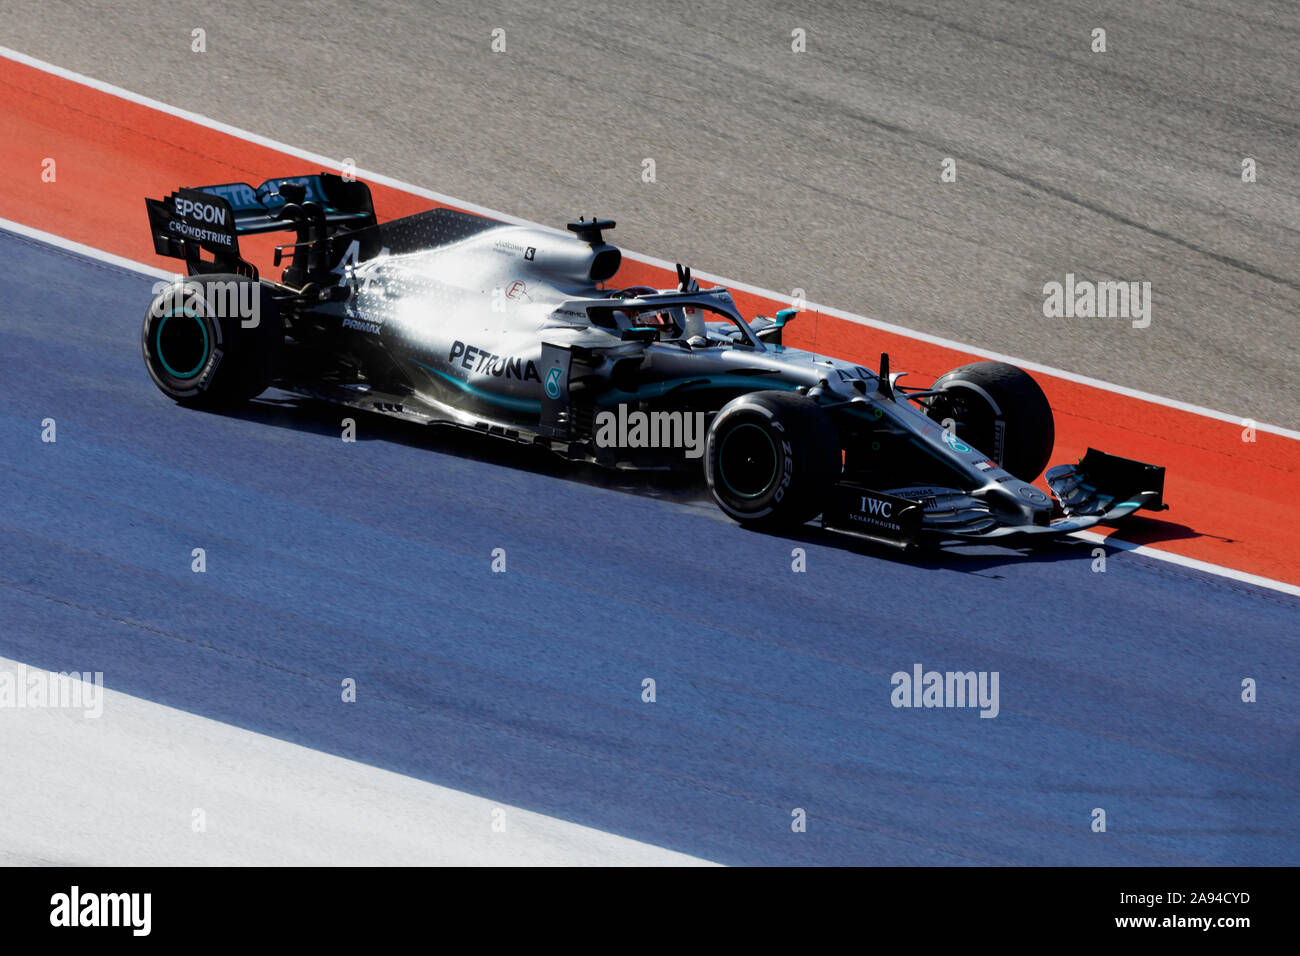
(682, 487)
(983, 559)
(1141, 528)
(323, 418)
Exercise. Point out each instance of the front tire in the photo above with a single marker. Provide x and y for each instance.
(771, 458)
(212, 341)
(1001, 411)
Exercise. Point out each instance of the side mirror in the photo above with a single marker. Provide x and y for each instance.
(772, 333)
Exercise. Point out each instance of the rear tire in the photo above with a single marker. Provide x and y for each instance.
(771, 458)
(1001, 411)
(212, 341)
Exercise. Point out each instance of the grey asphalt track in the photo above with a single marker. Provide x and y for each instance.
(817, 170)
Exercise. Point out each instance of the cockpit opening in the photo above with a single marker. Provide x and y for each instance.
(703, 321)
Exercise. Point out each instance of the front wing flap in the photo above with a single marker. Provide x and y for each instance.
(1107, 486)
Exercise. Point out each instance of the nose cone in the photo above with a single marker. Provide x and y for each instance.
(1020, 500)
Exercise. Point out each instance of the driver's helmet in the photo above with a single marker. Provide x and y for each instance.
(666, 321)
(669, 322)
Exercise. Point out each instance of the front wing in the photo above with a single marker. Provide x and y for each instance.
(1099, 488)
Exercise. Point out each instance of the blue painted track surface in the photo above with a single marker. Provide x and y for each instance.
(328, 560)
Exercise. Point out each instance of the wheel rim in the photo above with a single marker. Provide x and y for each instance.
(747, 461)
(185, 343)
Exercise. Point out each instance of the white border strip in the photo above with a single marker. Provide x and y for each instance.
(1193, 563)
(92, 253)
(328, 163)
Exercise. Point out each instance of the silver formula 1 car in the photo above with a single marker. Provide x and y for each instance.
(450, 318)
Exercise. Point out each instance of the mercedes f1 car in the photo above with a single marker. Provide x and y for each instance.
(449, 318)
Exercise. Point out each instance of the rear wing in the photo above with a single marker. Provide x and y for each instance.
(212, 218)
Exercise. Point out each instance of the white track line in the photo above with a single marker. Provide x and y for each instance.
(1242, 576)
(90, 252)
(1178, 559)
(329, 164)
(1193, 563)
